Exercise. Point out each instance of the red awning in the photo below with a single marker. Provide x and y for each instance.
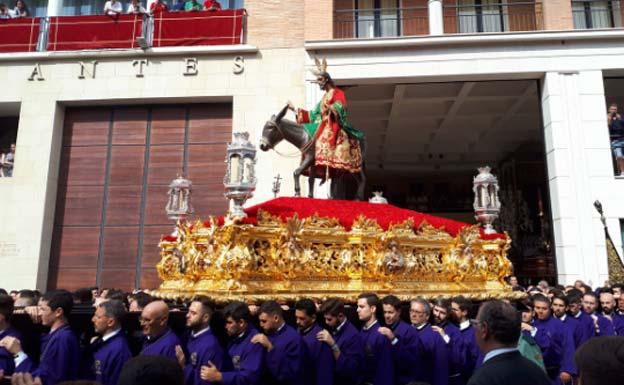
(19, 35)
(94, 32)
(198, 28)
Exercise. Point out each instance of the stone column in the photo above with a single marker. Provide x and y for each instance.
(579, 171)
(54, 7)
(436, 19)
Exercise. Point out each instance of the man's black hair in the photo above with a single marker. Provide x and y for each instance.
(271, 308)
(600, 361)
(371, 299)
(307, 306)
(114, 309)
(237, 310)
(563, 298)
(393, 301)
(502, 321)
(206, 303)
(59, 299)
(333, 307)
(151, 370)
(142, 299)
(541, 298)
(83, 296)
(3, 291)
(463, 303)
(6, 306)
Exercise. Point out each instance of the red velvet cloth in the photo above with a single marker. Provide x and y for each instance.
(348, 211)
(19, 35)
(94, 32)
(198, 28)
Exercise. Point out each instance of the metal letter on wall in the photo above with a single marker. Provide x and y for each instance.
(83, 69)
(139, 64)
(190, 66)
(36, 73)
(239, 65)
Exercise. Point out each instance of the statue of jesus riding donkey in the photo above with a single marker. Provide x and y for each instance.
(331, 148)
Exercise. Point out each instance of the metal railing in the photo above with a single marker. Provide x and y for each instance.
(380, 22)
(500, 17)
(596, 14)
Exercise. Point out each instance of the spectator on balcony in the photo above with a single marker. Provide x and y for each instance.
(136, 7)
(21, 9)
(192, 6)
(4, 12)
(616, 132)
(212, 5)
(113, 8)
(158, 6)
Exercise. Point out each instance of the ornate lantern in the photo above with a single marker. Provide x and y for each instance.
(240, 178)
(486, 203)
(179, 203)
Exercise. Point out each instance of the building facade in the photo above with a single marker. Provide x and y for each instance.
(439, 87)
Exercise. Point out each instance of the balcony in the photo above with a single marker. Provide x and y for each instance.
(73, 33)
(457, 17)
(597, 14)
(511, 16)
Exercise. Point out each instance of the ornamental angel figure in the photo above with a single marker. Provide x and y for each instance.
(337, 148)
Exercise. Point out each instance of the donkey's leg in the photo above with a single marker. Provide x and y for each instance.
(307, 162)
(360, 179)
(311, 179)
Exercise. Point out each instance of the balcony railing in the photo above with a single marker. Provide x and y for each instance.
(65, 33)
(593, 14)
(501, 17)
(380, 22)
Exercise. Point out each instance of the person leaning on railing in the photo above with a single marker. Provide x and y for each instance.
(4, 11)
(158, 6)
(113, 8)
(21, 9)
(212, 5)
(136, 7)
(192, 6)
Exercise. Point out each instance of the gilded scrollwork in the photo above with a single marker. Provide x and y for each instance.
(318, 257)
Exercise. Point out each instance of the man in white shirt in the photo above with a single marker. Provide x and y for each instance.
(136, 7)
(113, 8)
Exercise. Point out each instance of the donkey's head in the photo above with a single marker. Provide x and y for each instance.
(272, 133)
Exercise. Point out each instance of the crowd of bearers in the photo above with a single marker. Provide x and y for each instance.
(390, 342)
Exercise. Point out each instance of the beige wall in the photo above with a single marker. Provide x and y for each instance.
(275, 23)
(28, 199)
(556, 14)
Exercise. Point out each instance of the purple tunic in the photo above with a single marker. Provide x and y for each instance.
(351, 360)
(618, 324)
(59, 360)
(435, 356)
(572, 326)
(285, 361)
(108, 358)
(201, 349)
(7, 364)
(610, 327)
(378, 363)
(471, 352)
(557, 346)
(162, 345)
(319, 364)
(406, 353)
(246, 360)
(585, 330)
(605, 327)
(456, 351)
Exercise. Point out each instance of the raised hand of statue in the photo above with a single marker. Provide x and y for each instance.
(291, 106)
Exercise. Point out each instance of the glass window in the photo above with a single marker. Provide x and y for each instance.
(82, 7)
(481, 16)
(596, 14)
(377, 18)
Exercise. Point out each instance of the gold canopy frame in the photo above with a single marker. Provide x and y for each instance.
(318, 258)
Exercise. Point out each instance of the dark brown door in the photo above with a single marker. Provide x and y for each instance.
(116, 165)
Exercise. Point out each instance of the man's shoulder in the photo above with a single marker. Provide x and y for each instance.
(509, 369)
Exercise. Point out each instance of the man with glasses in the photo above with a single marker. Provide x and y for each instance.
(435, 357)
(159, 339)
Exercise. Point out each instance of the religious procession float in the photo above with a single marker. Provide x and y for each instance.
(288, 248)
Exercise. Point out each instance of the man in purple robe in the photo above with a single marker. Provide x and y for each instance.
(202, 345)
(7, 365)
(109, 352)
(60, 354)
(435, 355)
(560, 307)
(585, 329)
(406, 346)
(603, 327)
(159, 339)
(460, 309)
(555, 341)
(607, 305)
(319, 364)
(378, 363)
(345, 343)
(245, 364)
(452, 336)
(285, 347)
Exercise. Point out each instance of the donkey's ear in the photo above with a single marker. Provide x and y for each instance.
(273, 117)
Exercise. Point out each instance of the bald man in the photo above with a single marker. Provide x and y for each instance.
(159, 339)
